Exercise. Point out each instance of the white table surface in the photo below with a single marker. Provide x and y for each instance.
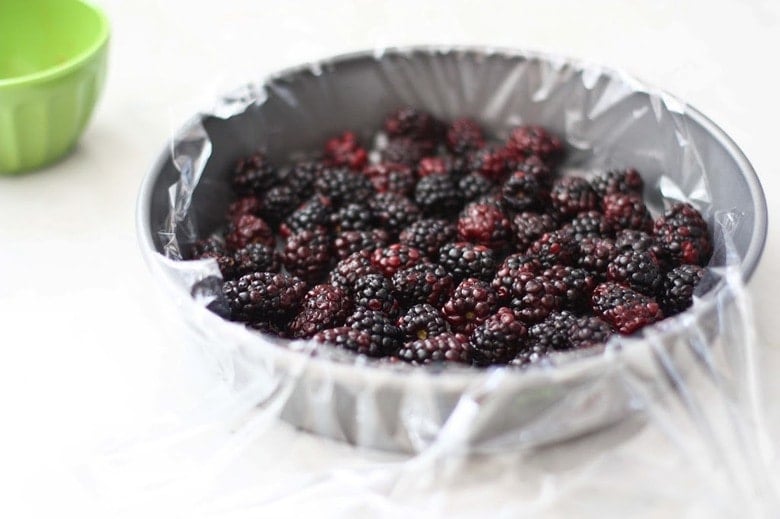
(87, 364)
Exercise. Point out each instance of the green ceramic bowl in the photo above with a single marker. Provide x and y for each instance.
(52, 67)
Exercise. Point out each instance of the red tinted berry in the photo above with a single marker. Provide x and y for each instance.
(557, 247)
(625, 309)
(625, 181)
(255, 257)
(595, 254)
(626, 212)
(349, 242)
(250, 204)
(347, 271)
(389, 260)
(324, 306)
(529, 227)
(472, 302)
(572, 195)
(421, 322)
(345, 150)
(248, 229)
(491, 162)
(485, 224)
(510, 269)
(498, 339)
(684, 234)
(253, 175)
(391, 178)
(386, 336)
(415, 124)
(306, 254)
(375, 292)
(423, 283)
(464, 136)
(533, 297)
(403, 150)
(525, 141)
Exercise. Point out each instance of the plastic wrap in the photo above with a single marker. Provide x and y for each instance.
(529, 440)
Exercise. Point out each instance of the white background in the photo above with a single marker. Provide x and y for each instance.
(86, 361)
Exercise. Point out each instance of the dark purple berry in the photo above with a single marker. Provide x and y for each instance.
(255, 257)
(638, 270)
(437, 195)
(386, 336)
(625, 309)
(485, 224)
(345, 150)
(350, 339)
(306, 254)
(313, 213)
(421, 322)
(375, 292)
(463, 136)
(446, 347)
(677, 291)
(264, 296)
(347, 271)
(626, 212)
(529, 227)
(352, 217)
(324, 306)
(596, 254)
(428, 236)
(349, 242)
(391, 178)
(472, 302)
(557, 247)
(393, 212)
(498, 339)
(253, 175)
(684, 234)
(574, 285)
(475, 185)
(248, 229)
(572, 195)
(465, 260)
(553, 333)
(527, 141)
(423, 283)
(343, 186)
(389, 260)
(589, 331)
(624, 181)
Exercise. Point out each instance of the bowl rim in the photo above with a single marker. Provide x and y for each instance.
(456, 375)
(72, 63)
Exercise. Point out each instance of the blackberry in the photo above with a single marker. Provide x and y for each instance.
(345, 150)
(531, 354)
(347, 271)
(554, 247)
(342, 186)
(638, 270)
(352, 217)
(485, 224)
(432, 166)
(350, 339)
(526, 141)
(403, 150)
(300, 178)
(623, 308)
(474, 185)
(423, 283)
(523, 191)
(464, 136)
(679, 284)
(324, 306)
(529, 227)
(683, 233)
(640, 241)
(393, 212)
(428, 236)
(212, 245)
(574, 285)
(626, 212)
(277, 203)
(253, 175)
(389, 260)
(446, 347)
(264, 296)
(509, 270)
(437, 195)
(255, 257)
(421, 322)
(413, 123)
(596, 254)
(492, 162)
(498, 339)
(226, 263)
(554, 333)
(472, 302)
(306, 254)
(589, 331)
(391, 178)
(375, 292)
(248, 229)
(250, 204)
(588, 225)
(532, 165)
(572, 195)
(349, 242)
(386, 337)
(466, 260)
(313, 213)
(623, 181)
(533, 297)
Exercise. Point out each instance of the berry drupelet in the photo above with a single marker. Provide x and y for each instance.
(498, 339)
(625, 309)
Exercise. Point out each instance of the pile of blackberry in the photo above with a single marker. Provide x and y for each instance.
(441, 246)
